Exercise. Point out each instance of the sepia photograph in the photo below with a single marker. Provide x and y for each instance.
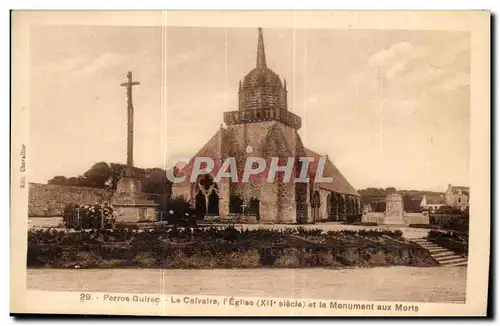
(214, 163)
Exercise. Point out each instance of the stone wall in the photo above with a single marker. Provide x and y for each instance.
(373, 217)
(416, 218)
(183, 190)
(50, 200)
(409, 218)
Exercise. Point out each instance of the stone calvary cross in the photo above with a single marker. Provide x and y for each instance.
(130, 204)
(130, 124)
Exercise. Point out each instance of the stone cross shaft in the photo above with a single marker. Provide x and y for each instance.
(130, 123)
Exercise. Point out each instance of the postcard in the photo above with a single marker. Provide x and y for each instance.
(260, 163)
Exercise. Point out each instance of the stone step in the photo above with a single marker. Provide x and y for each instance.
(453, 261)
(443, 253)
(464, 263)
(427, 245)
(437, 250)
(434, 248)
(424, 243)
(444, 259)
(431, 246)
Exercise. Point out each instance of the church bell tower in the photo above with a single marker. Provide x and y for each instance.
(262, 96)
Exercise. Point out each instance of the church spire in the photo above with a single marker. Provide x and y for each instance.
(261, 54)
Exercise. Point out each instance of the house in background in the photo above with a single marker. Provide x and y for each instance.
(432, 201)
(457, 197)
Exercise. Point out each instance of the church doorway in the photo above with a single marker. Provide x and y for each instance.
(207, 198)
(315, 205)
(254, 207)
(235, 205)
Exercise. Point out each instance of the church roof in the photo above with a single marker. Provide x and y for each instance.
(339, 183)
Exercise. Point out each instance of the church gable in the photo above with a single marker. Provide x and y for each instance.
(275, 144)
(247, 139)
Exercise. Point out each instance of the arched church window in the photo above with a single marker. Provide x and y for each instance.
(208, 193)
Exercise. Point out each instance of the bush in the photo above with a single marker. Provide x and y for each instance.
(454, 241)
(88, 216)
(455, 222)
(459, 236)
(70, 215)
(360, 223)
(205, 236)
(448, 210)
(179, 212)
(368, 224)
(366, 233)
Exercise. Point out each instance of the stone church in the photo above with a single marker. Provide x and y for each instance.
(264, 127)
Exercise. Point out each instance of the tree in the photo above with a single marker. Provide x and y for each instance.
(79, 181)
(390, 190)
(58, 180)
(156, 181)
(104, 175)
(380, 207)
(408, 203)
(98, 175)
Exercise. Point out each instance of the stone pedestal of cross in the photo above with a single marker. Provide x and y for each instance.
(129, 203)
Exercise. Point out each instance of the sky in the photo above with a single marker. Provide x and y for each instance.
(389, 107)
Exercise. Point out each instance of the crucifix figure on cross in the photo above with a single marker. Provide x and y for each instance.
(130, 124)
